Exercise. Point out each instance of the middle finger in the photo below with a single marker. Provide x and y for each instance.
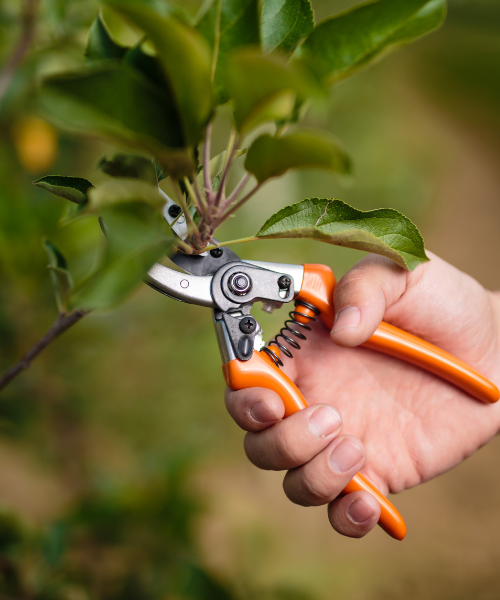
(295, 440)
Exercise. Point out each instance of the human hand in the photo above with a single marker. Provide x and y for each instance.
(400, 425)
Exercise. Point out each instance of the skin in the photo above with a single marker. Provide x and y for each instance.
(397, 424)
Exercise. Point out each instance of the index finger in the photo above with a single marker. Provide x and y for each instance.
(254, 409)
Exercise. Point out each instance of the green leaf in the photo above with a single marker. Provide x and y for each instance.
(264, 88)
(123, 191)
(72, 188)
(59, 274)
(160, 173)
(285, 23)
(100, 45)
(384, 231)
(228, 25)
(216, 166)
(270, 156)
(118, 103)
(148, 65)
(341, 45)
(137, 237)
(185, 58)
(126, 165)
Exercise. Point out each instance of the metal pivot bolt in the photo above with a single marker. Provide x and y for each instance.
(284, 282)
(248, 325)
(174, 210)
(216, 252)
(240, 284)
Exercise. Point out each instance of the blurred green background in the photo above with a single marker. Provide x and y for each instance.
(121, 475)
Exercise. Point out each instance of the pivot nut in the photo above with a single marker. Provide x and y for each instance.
(240, 284)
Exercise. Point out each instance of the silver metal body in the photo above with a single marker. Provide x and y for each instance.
(181, 286)
(223, 340)
(209, 290)
(180, 226)
(197, 290)
(296, 272)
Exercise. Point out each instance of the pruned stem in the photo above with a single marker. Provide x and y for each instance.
(63, 322)
(27, 35)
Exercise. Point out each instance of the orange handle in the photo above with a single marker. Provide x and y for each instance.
(317, 289)
(259, 371)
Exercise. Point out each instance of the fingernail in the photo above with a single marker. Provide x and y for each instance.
(347, 318)
(345, 456)
(261, 413)
(359, 512)
(324, 421)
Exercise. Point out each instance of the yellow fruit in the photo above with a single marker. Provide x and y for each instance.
(36, 143)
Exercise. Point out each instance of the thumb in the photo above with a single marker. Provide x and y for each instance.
(362, 296)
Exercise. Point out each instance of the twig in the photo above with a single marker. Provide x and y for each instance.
(27, 35)
(62, 323)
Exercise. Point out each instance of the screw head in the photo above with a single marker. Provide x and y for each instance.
(240, 284)
(284, 282)
(216, 252)
(248, 325)
(174, 210)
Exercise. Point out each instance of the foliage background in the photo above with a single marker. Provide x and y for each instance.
(121, 476)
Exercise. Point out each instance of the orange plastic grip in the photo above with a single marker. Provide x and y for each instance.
(259, 371)
(396, 342)
(317, 289)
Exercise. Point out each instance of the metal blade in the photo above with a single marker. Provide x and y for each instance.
(207, 263)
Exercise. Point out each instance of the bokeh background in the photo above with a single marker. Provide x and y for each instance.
(121, 475)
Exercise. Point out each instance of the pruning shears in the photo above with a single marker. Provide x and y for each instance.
(230, 286)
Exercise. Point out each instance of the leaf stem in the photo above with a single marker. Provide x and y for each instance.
(237, 190)
(198, 202)
(63, 322)
(215, 55)
(183, 204)
(206, 160)
(231, 243)
(238, 205)
(232, 146)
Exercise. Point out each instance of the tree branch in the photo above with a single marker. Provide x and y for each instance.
(62, 324)
(27, 35)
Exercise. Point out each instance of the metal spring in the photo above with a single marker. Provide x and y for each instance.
(297, 333)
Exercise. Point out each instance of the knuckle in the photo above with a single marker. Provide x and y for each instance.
(286, 448)
(306, 489)
(255, 451)
(316, 492)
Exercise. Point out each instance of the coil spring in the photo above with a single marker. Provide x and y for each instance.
(297, 333)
